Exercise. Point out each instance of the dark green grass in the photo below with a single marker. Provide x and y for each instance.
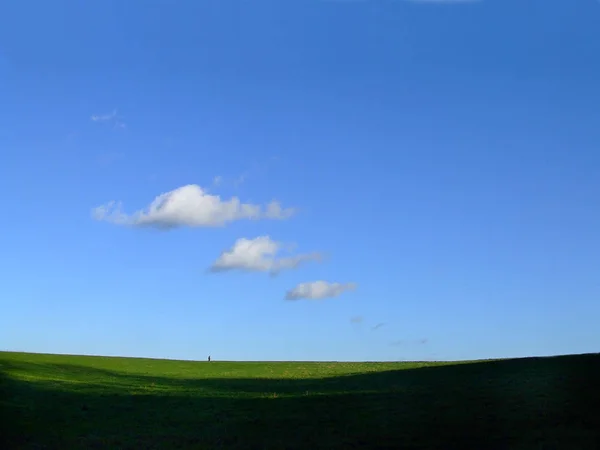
(64, 402)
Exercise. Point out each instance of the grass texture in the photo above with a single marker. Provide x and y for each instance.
(71, 402)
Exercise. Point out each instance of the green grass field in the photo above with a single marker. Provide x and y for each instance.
(64, 402)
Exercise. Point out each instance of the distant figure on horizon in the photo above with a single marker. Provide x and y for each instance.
(208, 358)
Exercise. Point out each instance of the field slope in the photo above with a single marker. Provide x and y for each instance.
(65, 402)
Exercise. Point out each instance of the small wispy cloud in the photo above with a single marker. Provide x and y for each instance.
(397, 343)
(378, 326)
(190, 206)
(356, 319)
(259, 255)
(316, 290)
(111, 117)
(221, 181)
(104, 117)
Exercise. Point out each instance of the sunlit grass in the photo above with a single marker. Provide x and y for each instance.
(57, 401)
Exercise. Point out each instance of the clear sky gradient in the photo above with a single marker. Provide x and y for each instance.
(440, 161)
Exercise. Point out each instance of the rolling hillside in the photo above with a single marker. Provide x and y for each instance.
(55, 401)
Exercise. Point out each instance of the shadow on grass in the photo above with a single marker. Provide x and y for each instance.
(534, 403)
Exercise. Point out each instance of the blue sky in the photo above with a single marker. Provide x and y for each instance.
(440, 161)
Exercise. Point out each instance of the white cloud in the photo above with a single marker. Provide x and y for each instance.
(104, 117)
(111, 117)
(190, 206)
(259, 255)
(318, 290)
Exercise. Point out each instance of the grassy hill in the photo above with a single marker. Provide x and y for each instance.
(64, 402)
